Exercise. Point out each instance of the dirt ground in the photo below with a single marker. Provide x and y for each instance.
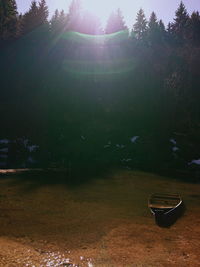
(102, 223)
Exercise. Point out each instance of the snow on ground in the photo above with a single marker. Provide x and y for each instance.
(120, 146)
(32, 148)
(4, 141)
(175, 148)
(173, 141)
(4, 150)
(134, 139)
(195, 161)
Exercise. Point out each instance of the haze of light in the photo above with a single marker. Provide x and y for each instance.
(165, 9)
(103, 8)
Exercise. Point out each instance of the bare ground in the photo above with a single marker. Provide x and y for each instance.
(104, 223)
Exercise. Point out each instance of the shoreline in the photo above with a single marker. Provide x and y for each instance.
(105, 222)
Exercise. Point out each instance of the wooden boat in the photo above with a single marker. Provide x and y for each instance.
(165, 207)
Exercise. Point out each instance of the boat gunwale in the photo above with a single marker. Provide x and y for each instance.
(170, 209)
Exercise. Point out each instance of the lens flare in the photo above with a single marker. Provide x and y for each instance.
(102, 9)
(98, 55)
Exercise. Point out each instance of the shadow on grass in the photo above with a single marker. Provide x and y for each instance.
(75, 175)
(82, 172)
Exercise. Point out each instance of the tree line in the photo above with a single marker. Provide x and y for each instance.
(57, 85)
(13, 25)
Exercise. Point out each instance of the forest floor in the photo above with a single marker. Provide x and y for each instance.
(102, 223)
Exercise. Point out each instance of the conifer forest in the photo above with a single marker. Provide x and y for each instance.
(89, 97)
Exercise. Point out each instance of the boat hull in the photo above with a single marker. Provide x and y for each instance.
(166, 208)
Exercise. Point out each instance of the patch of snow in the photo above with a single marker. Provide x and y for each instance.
(126, 160)
(120, 146)
(134, 139)
(4, 150)
(106, 146)
(25, 141)
(22, 141)
(173, 141)
(32, 148)
(4, 156)
(195, 161)
(4, 141)
(31, 160)
(175, 148)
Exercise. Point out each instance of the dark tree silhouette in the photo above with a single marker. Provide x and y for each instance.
(156, 31)
(59, 22)
(30, 18)
(153, 22)
(169, 28)
(161, 25)
(162, 30)
(153, 31)
(140, 27)
(73, 93)
(43, 13)
(194, 28)
(37, 16)
(180, 24)
(54, 22)
(9, 23)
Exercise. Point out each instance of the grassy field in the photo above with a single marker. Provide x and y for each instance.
(102, 223)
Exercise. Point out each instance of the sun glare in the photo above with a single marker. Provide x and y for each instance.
(102, 8)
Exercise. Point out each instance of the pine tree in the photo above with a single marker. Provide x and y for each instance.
(110, 27)
(170, 33)
(121, 25)
(54, 19)
(169, 28)
(37, 16)
(90, 24)
(74, 16)
(30, 18)
(155, 30)
(153, 23)
(115, 23)
(54, 22)
(63, 21)
(20, 23)
(140, 27)
(75, 7)
(162, 26)
(194, 27)
(162, 30)
(9, 23)
(58, 23)
(43, 13)
(180, 25)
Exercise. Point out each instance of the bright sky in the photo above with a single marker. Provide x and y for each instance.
(165, 9)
